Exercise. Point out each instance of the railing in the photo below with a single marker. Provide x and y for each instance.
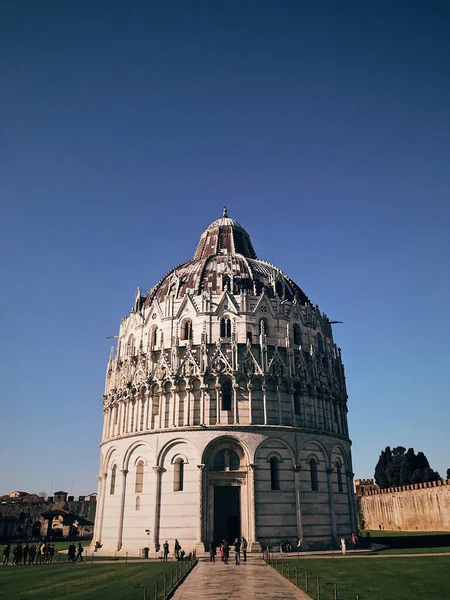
(317, 588)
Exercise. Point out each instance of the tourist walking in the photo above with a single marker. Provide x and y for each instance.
(222, 551)
(343, 545)
(165, 550)
(354, 541)
(176, 548)
(237, 551)
(212, 552)
(6, 553)
(226, 552)
(80, 551)
(244, 549)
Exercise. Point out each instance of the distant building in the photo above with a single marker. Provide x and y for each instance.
(364, 486)
(225, 410)
(25, 516)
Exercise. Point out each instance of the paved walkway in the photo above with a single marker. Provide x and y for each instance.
(251, 580)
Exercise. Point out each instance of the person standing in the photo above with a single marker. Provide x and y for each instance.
(6, 553)
(165, 550)
(177, 549)
(244, 549)
(222, 551)
(237, 551)
(80, 551)
(226, 552)
(25, 551)
(32, 554)
(51, 553)
(212, 552)
(343, 545)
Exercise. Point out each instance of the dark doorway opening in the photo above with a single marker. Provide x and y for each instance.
(227, 513)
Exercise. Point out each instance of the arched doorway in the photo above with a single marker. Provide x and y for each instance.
(226, 492)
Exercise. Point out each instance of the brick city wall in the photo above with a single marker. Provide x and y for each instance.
(419, 507)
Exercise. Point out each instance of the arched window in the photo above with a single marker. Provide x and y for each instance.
(314, 474)
(153, 336)
(320, 346)
(226, 283)
(225, 327)
(178, 475)
(138, 503)
(139, 486)
(130, 346)
(339, 476)
(112, 486)
(263, 326)
(297, 399)
(226, 395)
(274, 473)
(297, 334)
(186, 330)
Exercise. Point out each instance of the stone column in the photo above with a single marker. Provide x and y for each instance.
(235, 404)
(217, 386)
(331, 504)
(264, 390)
(294, 416)
(122, 508)
(101, 507)
(250, 414)
(254, 545)
(159, 471)
(187, 406)
(104, 424)
(280, 412)
(174, 390)
(298, 507)
(160, 412)
(200, 546)
(202, 405)
(148, 406)
(351, 500)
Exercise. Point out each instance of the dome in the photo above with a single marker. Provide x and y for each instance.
(226, 260)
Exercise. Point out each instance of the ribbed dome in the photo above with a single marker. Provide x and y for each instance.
(225, 260)
(223, 237)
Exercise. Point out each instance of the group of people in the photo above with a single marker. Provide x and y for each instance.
(224, 550)
(74, 553)
(354, 541)
(24, 554)
(178, 552)
(41, 553)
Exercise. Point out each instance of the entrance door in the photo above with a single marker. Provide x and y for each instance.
(227, 513)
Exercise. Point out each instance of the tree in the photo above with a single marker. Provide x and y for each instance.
(407, 467)
(398, 467)
(381, 477)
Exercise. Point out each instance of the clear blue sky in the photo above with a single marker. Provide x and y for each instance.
(124, 128)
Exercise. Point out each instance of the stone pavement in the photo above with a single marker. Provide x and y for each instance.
(253, 579)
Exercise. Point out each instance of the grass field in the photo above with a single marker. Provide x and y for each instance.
(375, 578)
(87, 582)
(377, 533)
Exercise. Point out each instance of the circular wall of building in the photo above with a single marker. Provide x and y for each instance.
(225, 410)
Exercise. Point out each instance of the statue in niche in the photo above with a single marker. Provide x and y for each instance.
(226, 461)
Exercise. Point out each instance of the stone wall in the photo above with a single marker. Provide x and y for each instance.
(419, 507)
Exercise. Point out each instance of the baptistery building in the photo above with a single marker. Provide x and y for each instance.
(225, 410)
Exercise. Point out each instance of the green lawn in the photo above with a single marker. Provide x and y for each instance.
(375, 578)
(377, 533)
(412, 550)
(86, 581)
